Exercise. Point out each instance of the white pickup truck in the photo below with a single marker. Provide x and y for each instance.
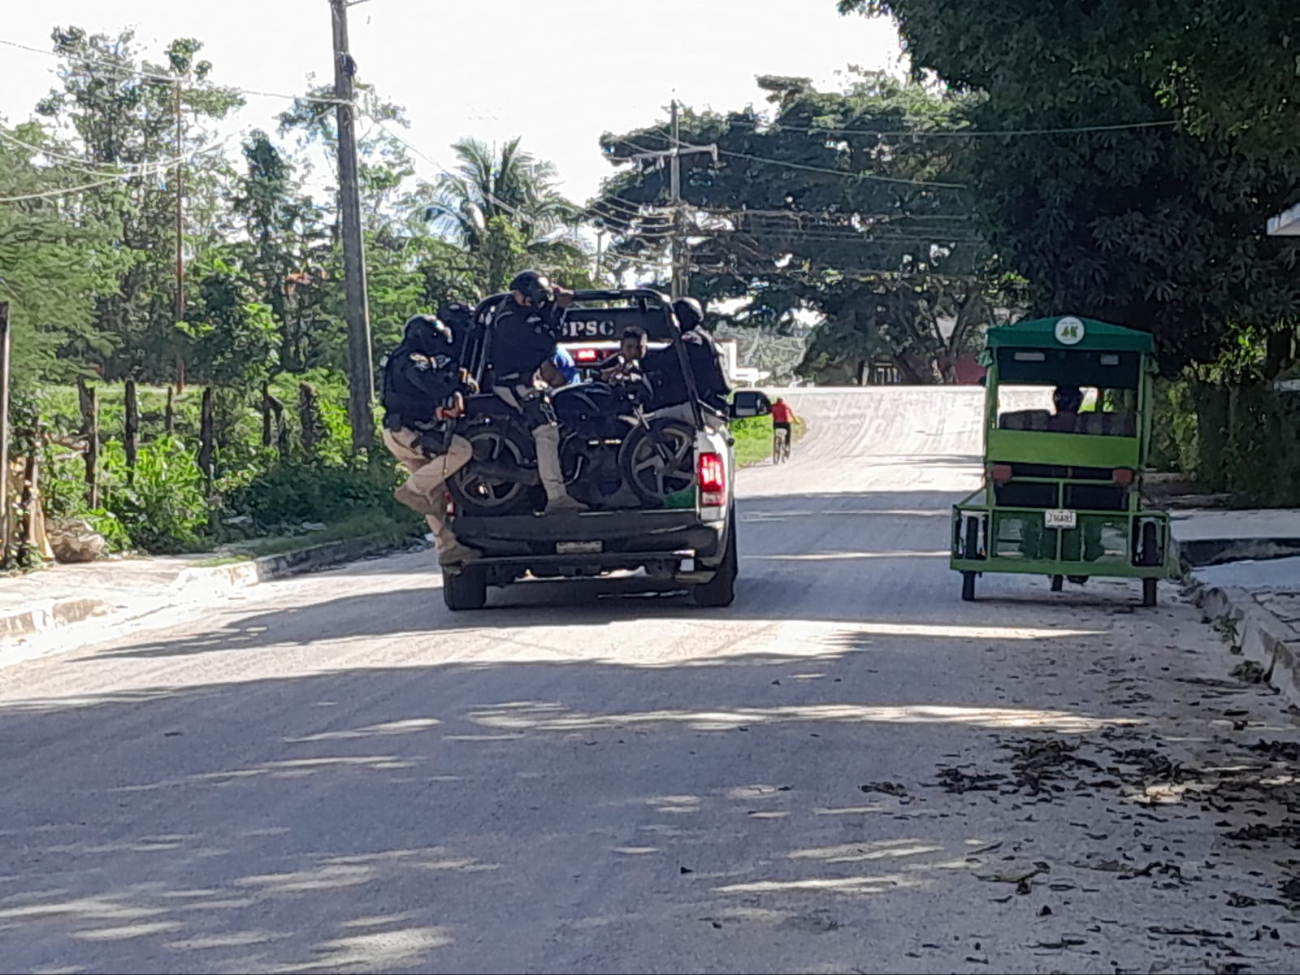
(659, 482)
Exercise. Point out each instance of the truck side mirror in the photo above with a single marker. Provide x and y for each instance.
(749, 402)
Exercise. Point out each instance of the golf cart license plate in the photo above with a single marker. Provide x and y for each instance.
(1060, 519)
(579, 548)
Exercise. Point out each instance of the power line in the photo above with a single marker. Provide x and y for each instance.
(839, 172)
(125, 70)
(816, 169)
(125, 170)
(953, 133)
(937, 241)
(512, 210)
(801, 214)
(62, 192)
(613, 219)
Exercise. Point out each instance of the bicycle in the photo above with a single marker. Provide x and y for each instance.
(780, 446)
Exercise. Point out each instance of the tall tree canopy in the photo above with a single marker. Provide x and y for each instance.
(124, 112)
(826, 202)
(1139, 219)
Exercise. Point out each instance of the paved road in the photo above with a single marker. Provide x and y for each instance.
(849, 770)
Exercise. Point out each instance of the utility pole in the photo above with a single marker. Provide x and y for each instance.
(674, 155)
(4, 430)
(361, 378)
(679, 285)
(600, 254)
(180, 209)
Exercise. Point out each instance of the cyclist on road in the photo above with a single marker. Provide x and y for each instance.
(783, 420)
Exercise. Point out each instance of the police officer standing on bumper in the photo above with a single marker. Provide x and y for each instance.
(423, 393)
(526, 328)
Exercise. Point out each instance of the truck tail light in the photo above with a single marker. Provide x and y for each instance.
(1122, 475)
(1000, 472)
(586, 355)
(712, 478)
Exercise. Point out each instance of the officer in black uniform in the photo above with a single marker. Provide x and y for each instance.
(664, 369)
(526, 328)
(423, 392)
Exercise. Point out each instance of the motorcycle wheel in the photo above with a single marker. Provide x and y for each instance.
(659, 461)
(476, 494)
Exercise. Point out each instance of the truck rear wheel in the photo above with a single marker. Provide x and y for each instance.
(720, 591)
(466, 589)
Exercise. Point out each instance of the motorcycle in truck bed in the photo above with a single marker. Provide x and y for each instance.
(658, 477)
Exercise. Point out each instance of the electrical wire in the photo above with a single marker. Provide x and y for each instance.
(61, 192)
(169, 78)
(125, 170)
(954, 133)
(841, 173)
(810, 169)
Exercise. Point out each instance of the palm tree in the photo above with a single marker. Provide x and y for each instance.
(509, 184)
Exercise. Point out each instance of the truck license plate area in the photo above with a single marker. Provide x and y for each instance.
(1060, 519)
(579, 548)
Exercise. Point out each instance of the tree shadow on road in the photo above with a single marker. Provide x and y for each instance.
(473, 817)
(798, 565)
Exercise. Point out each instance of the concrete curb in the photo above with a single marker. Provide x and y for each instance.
(1258, 634)
(48, 614)
(198, 583)
(1196, 552)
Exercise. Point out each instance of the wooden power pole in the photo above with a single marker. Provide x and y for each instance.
(4, 430)
(680, 282)
(361, 379)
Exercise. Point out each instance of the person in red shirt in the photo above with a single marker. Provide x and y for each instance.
(782, 420)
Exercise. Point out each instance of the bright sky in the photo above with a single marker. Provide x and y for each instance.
(599, 65)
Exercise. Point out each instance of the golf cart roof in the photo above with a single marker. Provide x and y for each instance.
(1070, 332)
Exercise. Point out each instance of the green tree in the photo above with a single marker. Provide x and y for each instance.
(123, 112)
(55, 257)
(289, 253)
(1151, 226)
(1229, 69)
(826, 203)
(234, 333)
(507, 184)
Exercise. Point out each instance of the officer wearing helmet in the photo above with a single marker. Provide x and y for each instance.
(664, 369)
(526, 327)
(424, 391)
(703, 355)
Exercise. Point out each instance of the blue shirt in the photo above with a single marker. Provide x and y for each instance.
(564, 362)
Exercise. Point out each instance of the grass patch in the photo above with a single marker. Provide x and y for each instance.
(754, 439)
(220, 560)
(372, 526)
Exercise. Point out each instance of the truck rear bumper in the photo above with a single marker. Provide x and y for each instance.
(590, 542)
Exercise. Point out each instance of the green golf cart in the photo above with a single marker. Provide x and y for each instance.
(1062, 492)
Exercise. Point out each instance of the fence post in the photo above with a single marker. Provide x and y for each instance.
(169, 417)
(282, 431)
(31, 496)
(90, 429)
(267, 432)
(274, 429)
(309, 418)
(207, 436)
(131, 430)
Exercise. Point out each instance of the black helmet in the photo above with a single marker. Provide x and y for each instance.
(689, 313)
(425, 334)
(533, 285)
